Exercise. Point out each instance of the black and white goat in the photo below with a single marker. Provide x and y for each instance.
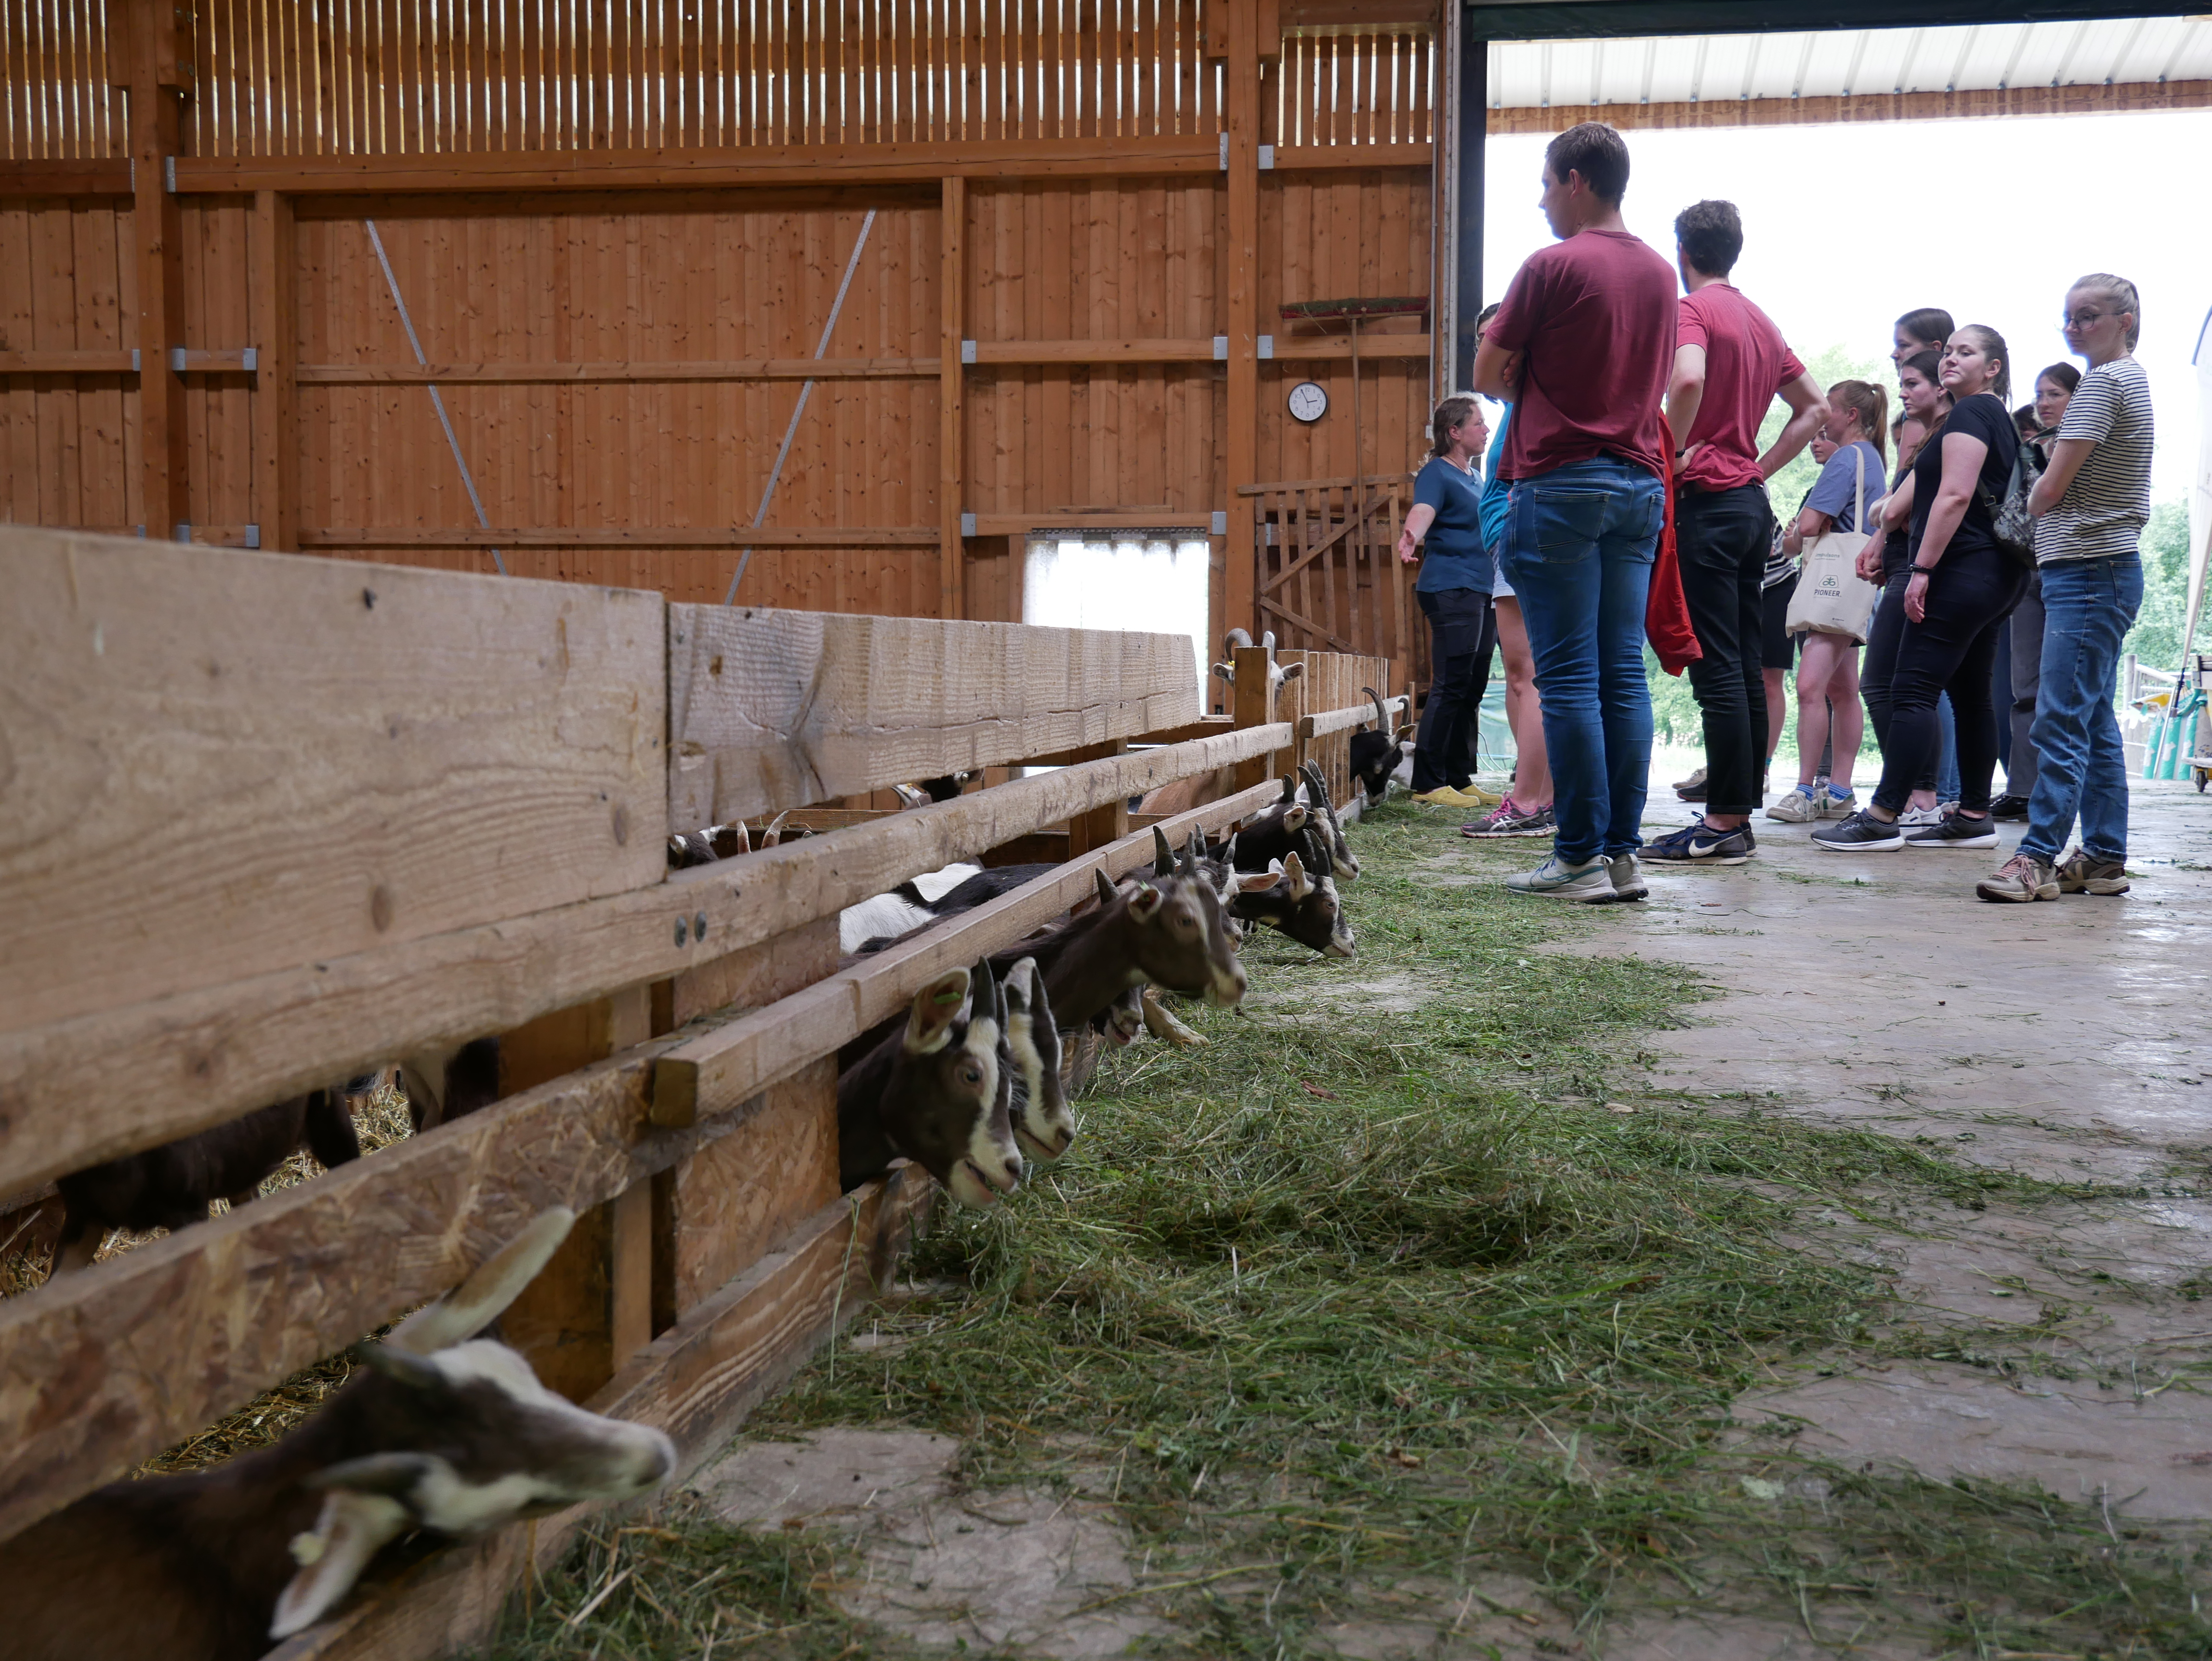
(1378, 750)
(1283, 826)
(938, 1089)
(443, 1433)
(1295, 895)
(172, 1185)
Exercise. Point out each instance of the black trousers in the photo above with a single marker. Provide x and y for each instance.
(1462, 637)
(1722, 539)
(1879, 666)
(1951, 649)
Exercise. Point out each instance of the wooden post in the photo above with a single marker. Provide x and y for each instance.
(951, 432)
(1255, 707)
(160, 56)
(1101, 824)
(275, 327)
(591, 1308)
(1243, 275)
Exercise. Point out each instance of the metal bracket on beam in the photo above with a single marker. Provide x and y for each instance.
(1225, 152)
(253, 535)
(1220, 522)
(169, 174)
(177, 359)
(250, 360)
(1267, 158)
(134, 362)
(968, 520)
(182, 533)
(1221, 348)
(1266, 345)
(967, 351)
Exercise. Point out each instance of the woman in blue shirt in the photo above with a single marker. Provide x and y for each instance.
(1454, 591)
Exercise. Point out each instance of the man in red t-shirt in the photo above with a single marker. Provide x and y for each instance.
(1580, 344)
(1730, 361)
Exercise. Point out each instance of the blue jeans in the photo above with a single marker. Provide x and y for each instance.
(2088, 606)
(1579, 545)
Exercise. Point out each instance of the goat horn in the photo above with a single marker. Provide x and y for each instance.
(1381, 710)
(1267, 639)
(774, 834)
(1316, 778)
(1240, 637)
(1106, 892)
(1290, 787)
(1163, 860)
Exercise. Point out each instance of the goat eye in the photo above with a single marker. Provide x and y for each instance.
(972, 1073)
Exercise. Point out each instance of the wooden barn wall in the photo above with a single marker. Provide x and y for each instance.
(1114, 286)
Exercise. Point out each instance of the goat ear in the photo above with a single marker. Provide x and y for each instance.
(352, 1529)
(1225, 672)
(1254, 882)
(1292, 672)
(1301, 884)
(406, 1365)
(392, 1474)
(1104, 884)
(1163, 854)
(475, 1304)
(1296, 819)
(1144, 903)
(935, 1007)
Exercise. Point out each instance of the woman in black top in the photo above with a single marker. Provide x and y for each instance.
(1960, 585)
(1884, 558)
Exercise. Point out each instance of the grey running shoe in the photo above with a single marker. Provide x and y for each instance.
(1590, 882)
(2021, 877)
(2080, 872)
(1862, 833)
(1627, 873)
(1957, 831)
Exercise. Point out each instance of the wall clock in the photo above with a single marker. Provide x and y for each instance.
(1309, 403)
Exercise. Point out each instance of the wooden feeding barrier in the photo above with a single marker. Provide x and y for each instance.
(271, 820)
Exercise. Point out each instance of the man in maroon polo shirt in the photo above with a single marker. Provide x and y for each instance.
(1731, 363)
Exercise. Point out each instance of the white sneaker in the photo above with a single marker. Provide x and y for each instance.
(1801, 806)
(1916, 818)
(1839, 803)
(1590, 882)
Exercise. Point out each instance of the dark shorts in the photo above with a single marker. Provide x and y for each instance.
(1776, 648)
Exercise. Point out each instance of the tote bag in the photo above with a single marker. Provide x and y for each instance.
(1831, 597)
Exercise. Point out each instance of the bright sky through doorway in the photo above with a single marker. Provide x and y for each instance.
(1846, 227)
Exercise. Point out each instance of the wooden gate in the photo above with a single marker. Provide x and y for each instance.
(1325, 571)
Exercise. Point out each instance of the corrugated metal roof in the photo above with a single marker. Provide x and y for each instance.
(1840, 63)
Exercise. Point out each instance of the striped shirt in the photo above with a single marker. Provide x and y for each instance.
(2108, 502)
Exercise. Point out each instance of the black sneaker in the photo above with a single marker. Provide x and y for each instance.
(1861, 833)
(1957, 831)
(2009, 808)
(1701, 844)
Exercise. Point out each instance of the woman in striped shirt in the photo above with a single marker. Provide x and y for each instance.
(2091, 505)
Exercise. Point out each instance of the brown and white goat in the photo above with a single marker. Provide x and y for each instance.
(937, 1090)
(172, 1186)
(443, 1433)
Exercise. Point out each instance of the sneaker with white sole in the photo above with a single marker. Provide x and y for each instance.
(1801, 806)
(1627, 873)
(1590, 882)
(1862, 833)
(1957, 831)
(1511, 819)
(2022, 878)
(2081, 871)
(1916, 819)
(1703, 844)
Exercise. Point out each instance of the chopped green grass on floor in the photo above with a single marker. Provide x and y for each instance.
(1417, 1272)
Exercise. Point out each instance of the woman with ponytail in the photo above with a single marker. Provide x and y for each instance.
(1445, 523)
(1961, 584)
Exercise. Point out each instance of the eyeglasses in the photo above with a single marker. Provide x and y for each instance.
(2081, 319)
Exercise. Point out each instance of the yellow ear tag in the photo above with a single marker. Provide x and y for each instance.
(308, 1549)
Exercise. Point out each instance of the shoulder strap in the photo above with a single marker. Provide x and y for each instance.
(1858, 488)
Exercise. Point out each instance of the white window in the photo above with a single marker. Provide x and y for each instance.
(1153, 582)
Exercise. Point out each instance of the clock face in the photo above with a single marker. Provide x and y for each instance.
(1308, 401)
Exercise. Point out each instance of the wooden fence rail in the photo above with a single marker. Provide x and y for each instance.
(360, 809)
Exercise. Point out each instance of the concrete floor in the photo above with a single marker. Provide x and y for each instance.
(2069, 1039)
